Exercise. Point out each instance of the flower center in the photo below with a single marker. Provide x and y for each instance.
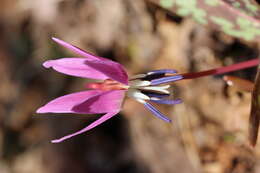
(107, 85)
(142, 87)
(145, 88)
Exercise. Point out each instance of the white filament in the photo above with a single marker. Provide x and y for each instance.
(162, 89)
(139, 83)
(136, 94)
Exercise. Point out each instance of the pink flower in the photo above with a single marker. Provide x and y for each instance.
(106, 97)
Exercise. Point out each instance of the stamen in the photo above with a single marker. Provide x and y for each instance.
(153, 76)
(139, 83)
(167, 101)
(156, 112)
(162, 71)
(140, 101)
(136, 94)
(154, 98)
(138, 76)
(166, 79)
(162, 89)
(156, 95)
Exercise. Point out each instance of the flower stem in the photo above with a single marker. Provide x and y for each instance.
(221, 70)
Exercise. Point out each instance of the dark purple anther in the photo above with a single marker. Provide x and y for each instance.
(162, 71)
(168, 102)
(166, 79)
(157, 95)
(156, 112)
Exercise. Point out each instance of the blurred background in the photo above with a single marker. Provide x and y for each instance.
(209, 130)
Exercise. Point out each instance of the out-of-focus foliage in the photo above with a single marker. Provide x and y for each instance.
(240, 18)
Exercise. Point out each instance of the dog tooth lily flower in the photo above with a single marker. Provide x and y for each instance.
(107, 96)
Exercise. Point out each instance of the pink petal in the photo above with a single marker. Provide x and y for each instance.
(77, 50)
(92, 125)
(111, 69)
(85, 102)
(64, 104)
(74, 49)
(108, 101)
(75, 67)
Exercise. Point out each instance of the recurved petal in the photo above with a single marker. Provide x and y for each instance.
(111, 69)
(65, 104)
(108, 67)
(75, 67)
(85, 102)
(109, 101)
(91, 126)
(74, 49)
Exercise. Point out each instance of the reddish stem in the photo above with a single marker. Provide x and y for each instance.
(221, 70)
